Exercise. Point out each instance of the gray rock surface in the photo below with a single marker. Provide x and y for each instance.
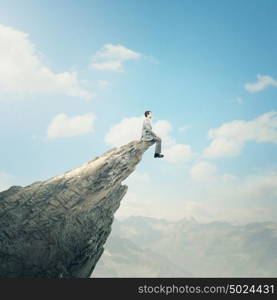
(57, 228)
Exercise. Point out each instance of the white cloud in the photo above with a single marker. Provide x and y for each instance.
(203, 171)
(65, 126)
(108, 66)
(22, 71)
(259, 186)
(136, 204)
(263, 82)
(226, 197)
(223, 147)
(228, 139)
(163, 128)
(178, 153)
(244, 198)
(111, 57)
(233, 190)
(125, 131)
(207, 173)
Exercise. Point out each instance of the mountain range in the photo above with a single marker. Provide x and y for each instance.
(149, 247)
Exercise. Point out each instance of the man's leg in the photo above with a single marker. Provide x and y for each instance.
(158, 147)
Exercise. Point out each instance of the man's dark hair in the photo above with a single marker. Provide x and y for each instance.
(147, 113)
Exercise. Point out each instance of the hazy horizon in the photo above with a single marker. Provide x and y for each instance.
(149, 247)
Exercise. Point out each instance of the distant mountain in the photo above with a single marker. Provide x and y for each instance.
(215, 249)
(123, 258)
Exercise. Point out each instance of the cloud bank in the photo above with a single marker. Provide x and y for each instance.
(112, 57)
(65, 126)
(23, 72)
(229, 139)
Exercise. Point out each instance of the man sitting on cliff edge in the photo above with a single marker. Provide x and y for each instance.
(149, 135)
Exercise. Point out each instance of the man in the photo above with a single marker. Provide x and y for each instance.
(149, 135)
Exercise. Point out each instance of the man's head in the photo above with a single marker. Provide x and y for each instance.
(148, 114)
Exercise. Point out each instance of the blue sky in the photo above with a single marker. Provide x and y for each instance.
(72, 70)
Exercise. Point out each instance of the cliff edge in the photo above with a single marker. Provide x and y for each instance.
(57, 228)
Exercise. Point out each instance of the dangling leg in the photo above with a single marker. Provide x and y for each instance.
(158, 147)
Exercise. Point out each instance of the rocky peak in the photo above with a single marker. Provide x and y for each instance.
(57, 227)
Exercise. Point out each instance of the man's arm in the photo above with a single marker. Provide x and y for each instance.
(148, 126)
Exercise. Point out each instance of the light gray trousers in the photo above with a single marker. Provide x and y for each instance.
(158, 147)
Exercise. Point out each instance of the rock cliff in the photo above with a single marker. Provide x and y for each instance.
(57, 228)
